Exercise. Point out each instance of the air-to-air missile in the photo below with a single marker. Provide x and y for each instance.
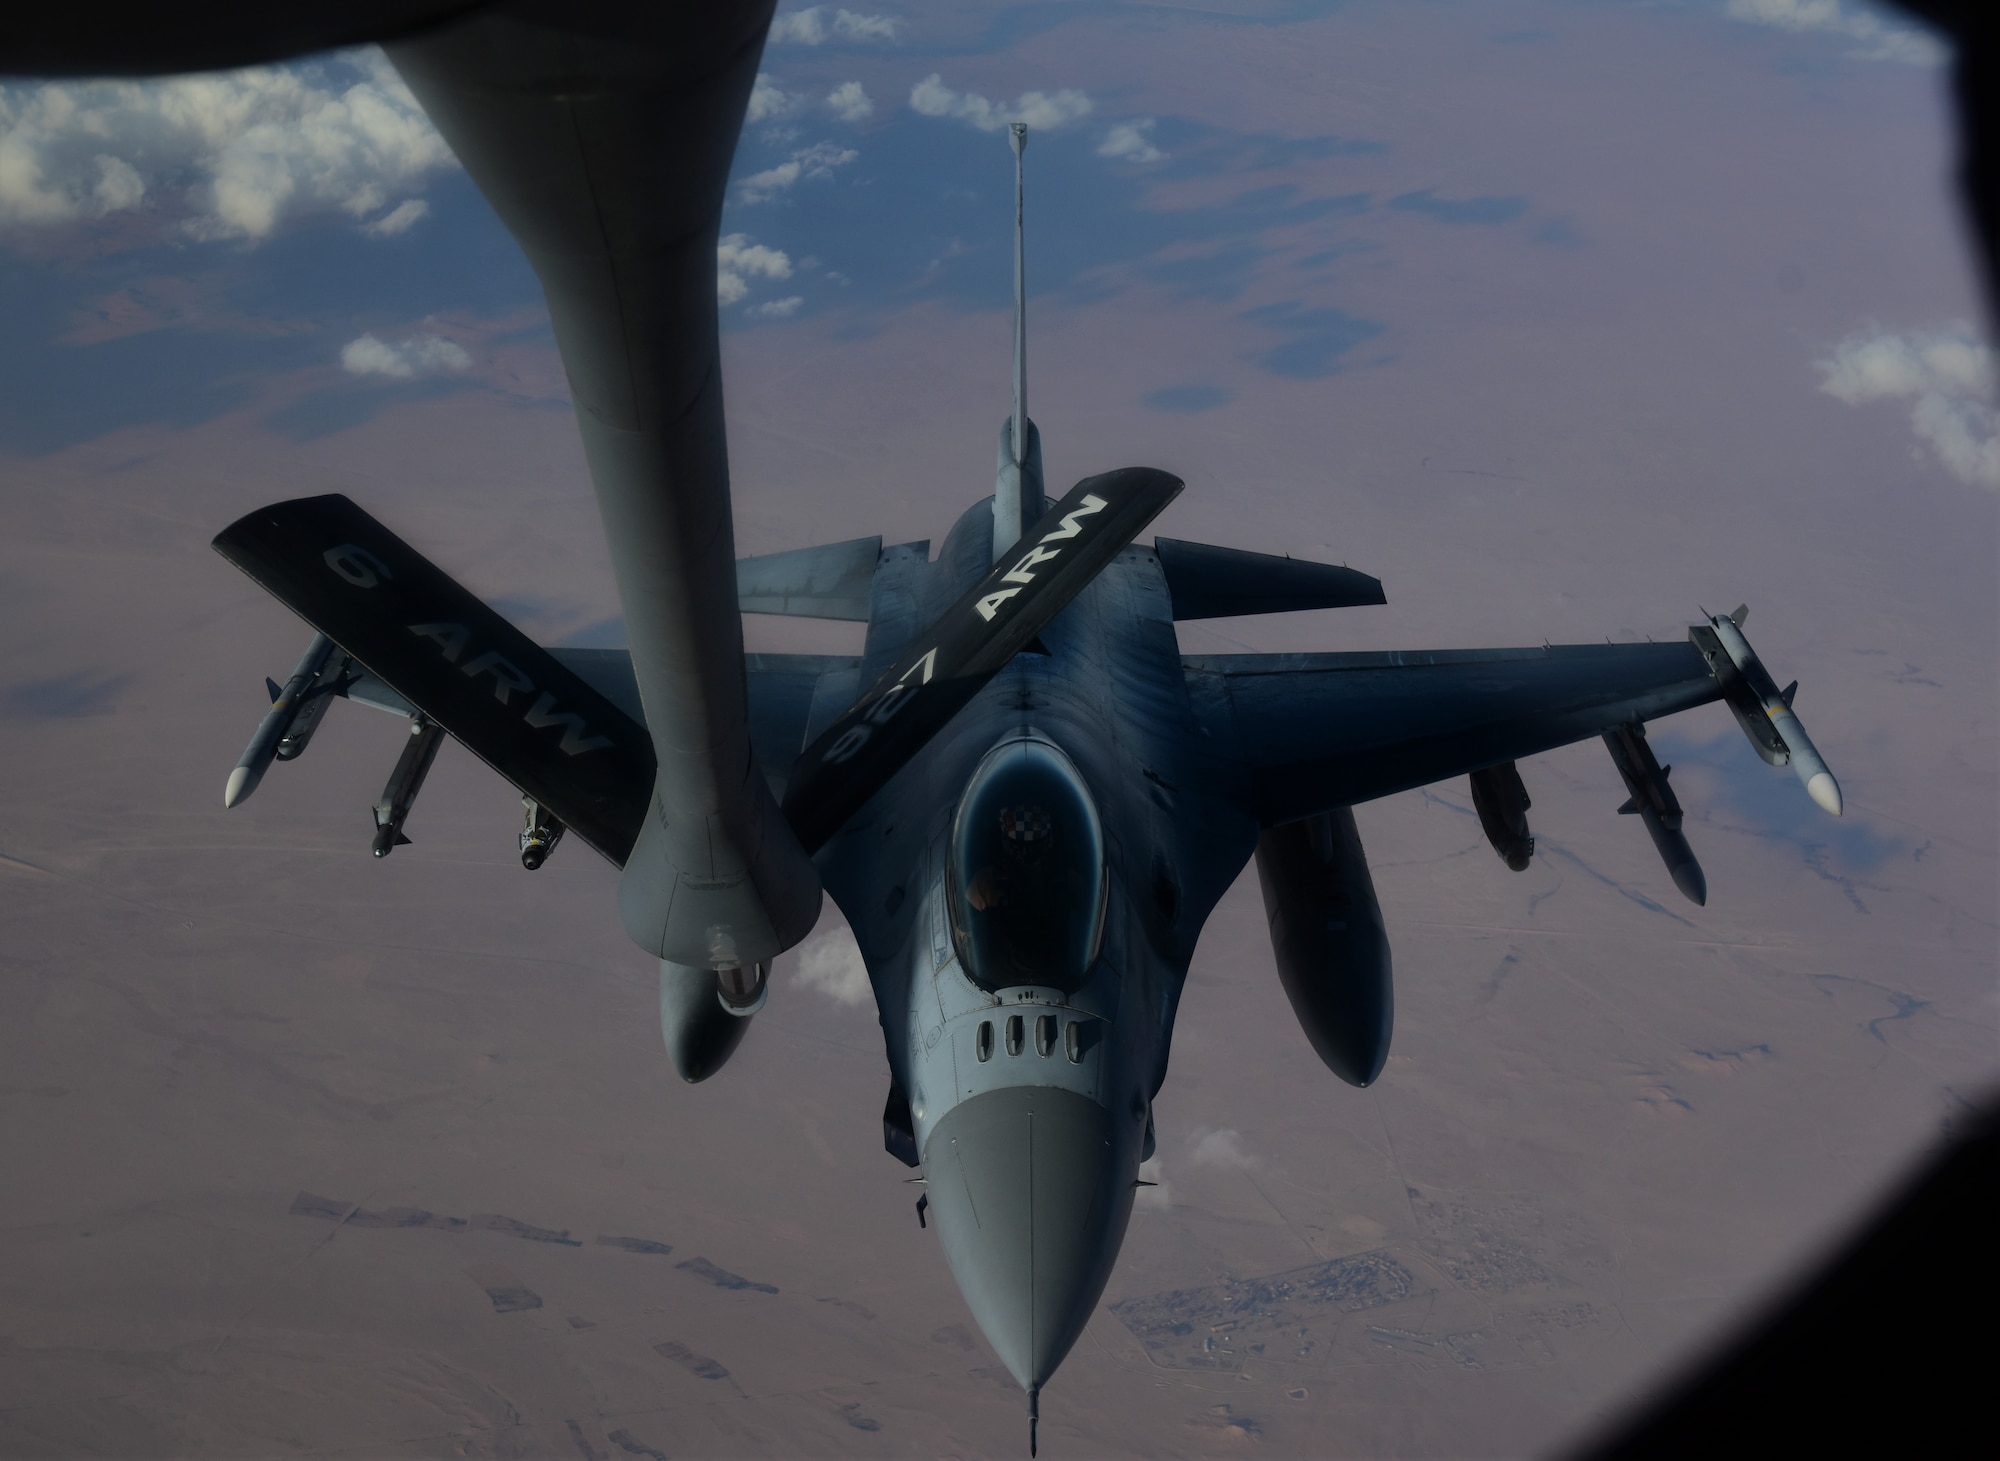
(1761, 708)
(1654, 803)
(278, 723)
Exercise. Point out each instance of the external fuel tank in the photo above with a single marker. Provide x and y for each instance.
(1331, 947)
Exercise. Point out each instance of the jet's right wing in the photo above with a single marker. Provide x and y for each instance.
(1315, 731)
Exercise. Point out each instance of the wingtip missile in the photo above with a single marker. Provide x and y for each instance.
(1822, 788)
(1764, 711)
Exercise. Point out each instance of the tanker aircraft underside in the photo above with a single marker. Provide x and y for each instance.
(1021, 794)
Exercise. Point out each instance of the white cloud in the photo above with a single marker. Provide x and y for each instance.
(776, 309)
(1877, 39)
(119, 186)
(830, 962)
(399, 219)
(816, 161)
(768, 100)
(1948, 375)
(738, 261)
(418, 355)
(1042, 111)
(1222, 1148)
(849, 102)
(227, 155)
(813, 26)
(1128, 142)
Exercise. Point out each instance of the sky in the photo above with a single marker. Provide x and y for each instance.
(1564, 319)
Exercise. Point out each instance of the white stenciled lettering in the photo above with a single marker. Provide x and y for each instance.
(576, 738)
(849, 742)
(506, 678)
(451, 638)
(893, 699)
(1037, 556)
(990, 604)
(357, 565)
(927, 664)
(1092, 505)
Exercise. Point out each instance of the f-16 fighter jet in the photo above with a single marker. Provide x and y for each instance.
(1023, 797)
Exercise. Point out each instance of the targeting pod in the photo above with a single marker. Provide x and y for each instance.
(426, 736)
(1502, 803)
(1760, 707)
(540, 836)
(1654, 803)
(286, 703)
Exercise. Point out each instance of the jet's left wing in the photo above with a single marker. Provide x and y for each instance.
(1315, 731)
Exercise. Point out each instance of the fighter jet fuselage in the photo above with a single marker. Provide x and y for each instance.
(1026, 895)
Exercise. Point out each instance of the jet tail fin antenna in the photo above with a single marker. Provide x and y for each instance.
(1017, 490)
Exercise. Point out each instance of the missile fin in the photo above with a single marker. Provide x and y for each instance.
(274, 687)
(1741, 616)
(1788, 692)
(1631, 807)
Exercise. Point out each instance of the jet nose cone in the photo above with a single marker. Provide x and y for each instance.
(1031, 1188)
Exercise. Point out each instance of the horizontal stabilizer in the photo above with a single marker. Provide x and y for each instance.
(424, 636)
(1208, 582)
(828, 582)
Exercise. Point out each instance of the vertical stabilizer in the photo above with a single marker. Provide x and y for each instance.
(1017, 488)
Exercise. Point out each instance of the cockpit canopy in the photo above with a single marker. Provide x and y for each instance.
(1026, 880)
